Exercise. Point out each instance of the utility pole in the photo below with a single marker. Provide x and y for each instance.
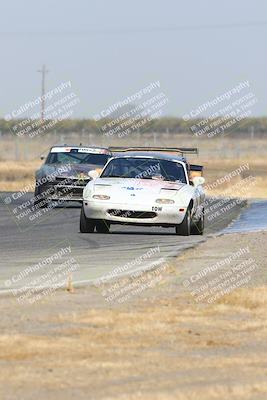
(252, 130)
(43, 72)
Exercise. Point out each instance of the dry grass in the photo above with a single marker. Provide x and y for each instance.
(252, 299)
(172, 350)
(15, 175)
(215, 170)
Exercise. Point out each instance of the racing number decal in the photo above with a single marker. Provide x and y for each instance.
(156, 208)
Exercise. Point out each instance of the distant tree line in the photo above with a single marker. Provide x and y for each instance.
(166, 124)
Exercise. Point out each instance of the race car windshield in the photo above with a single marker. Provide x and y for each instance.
(144, 168)
(75, 157)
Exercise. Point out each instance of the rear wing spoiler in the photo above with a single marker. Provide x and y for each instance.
(179, 150)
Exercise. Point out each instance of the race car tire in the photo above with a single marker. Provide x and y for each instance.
(184, 229)
(197, 228)
(86, 225)
(41, 202)
(102, 227)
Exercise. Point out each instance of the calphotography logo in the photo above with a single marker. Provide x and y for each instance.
(28, 210)
(130, 280)
(133, 113)
(221, 114)
(222, 278)
(42, 279)
(60, 104)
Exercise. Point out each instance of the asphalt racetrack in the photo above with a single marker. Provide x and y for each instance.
(96, 255)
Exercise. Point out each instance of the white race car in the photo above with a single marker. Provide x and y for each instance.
(145, 188)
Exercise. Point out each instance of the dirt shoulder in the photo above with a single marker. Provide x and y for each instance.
(164, 342)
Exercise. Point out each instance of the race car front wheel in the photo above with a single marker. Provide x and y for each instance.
(102, 227)
(184, 229)
(86, 225)
(39, 199)
(197, 228)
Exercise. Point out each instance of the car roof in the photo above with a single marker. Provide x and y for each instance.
(151, 154)
(104, 149)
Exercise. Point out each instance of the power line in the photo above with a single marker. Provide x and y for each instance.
(155, 29)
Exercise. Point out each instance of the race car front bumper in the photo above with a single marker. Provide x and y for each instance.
(135, 214)
(72, 190)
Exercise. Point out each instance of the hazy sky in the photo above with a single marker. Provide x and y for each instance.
(110, 49)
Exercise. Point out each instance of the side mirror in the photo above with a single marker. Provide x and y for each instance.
(94, 174)
(198, 180)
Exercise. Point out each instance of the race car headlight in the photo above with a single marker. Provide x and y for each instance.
(101, 197)
(86, 192)
(165, 201)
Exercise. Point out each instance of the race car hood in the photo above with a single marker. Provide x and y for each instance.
(135, 189)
